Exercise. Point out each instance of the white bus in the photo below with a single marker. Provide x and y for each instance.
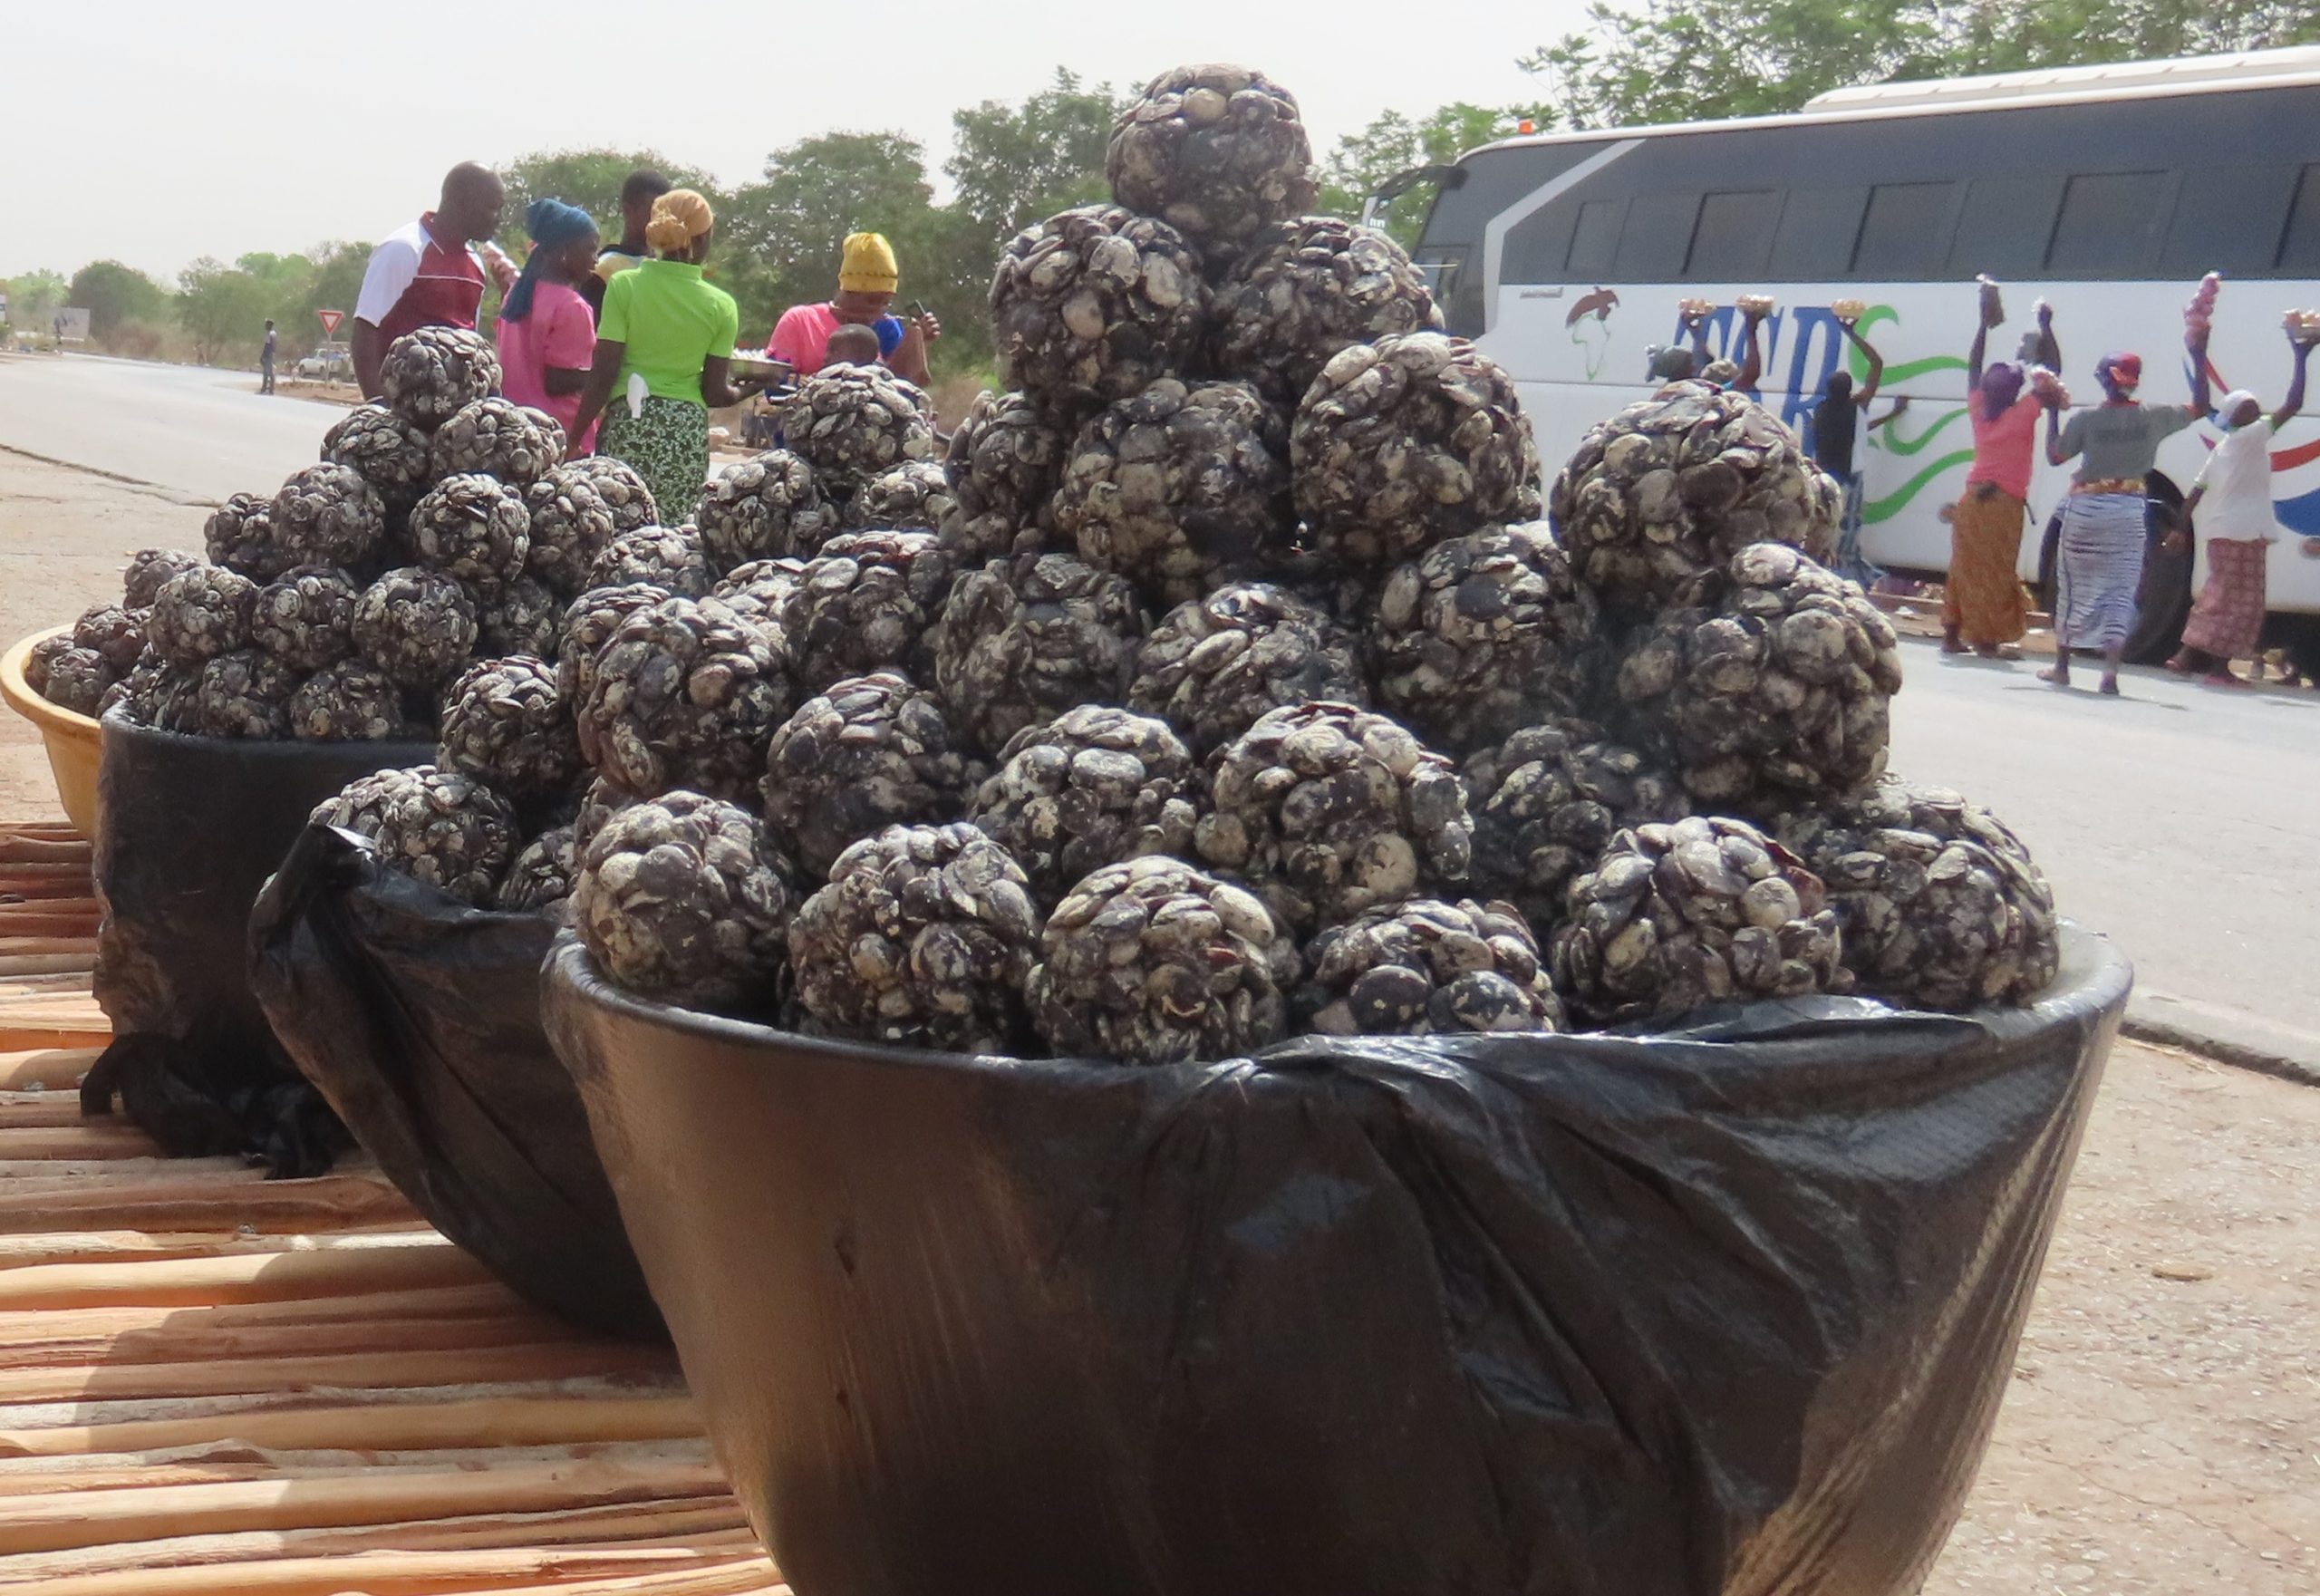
(2105, 190)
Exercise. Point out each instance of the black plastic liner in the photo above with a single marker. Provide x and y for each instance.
(1589, 1316)
(188, 830)
(419, 1018)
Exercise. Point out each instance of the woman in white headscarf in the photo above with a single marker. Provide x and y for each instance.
(2233, 500)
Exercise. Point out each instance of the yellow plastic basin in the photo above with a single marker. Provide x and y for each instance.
(73, 741)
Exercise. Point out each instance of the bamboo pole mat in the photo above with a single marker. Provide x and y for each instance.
(213, 1384)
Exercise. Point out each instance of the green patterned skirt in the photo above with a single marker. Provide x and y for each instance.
(669, 446)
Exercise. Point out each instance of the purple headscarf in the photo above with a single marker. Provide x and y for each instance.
(2001, 386)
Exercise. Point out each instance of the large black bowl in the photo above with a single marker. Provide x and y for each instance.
(1728, 1311)
(419, 1018)
(188, 830)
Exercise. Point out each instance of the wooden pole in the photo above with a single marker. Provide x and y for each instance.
(483, 1421)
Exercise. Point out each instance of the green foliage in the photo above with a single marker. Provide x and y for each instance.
(1701, 59)
(112, 292)
(1394, 143)
(589, 179)
(33, 297)
(332, 280)
(1013, 165)
(223, 307)
(780, 238)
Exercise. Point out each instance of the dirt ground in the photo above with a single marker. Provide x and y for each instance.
(2162, 1434)
(65, 536)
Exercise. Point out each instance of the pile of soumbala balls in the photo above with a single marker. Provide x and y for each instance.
(1225, 684)
(437, 527)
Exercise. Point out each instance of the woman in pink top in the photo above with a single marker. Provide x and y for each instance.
(546, 332)
(1981, 605)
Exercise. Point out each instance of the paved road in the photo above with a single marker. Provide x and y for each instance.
(199, 432)
(2179, 819)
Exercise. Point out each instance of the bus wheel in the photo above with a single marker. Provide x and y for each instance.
(2163, 602)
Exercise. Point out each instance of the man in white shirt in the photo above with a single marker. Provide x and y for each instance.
(426, 273)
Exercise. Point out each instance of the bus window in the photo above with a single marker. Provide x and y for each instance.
(1904, 234)
(2005, 226)
(1595, 238)
(1817, 229)
(1733, 240)
(2110, 225)
(1658, 233)
(2228, 220)
(2300, 239)
(1537, 247)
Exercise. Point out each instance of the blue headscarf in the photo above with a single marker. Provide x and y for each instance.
(552, 224)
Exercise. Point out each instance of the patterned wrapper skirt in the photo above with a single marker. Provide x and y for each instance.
(2099, 568)
(2229, 617)
(668, 444)
(1982, 599)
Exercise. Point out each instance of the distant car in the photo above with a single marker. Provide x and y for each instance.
(325, 364)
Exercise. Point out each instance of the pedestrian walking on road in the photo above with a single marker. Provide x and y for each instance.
(266, 362)
(664, 349)
(427, 273)
(2099, 558)
(546, 331)
(636, 197)
(1836, 430)
(1981, 604)
(2234, 489)
(867, 278)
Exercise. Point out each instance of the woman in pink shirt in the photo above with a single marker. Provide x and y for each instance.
(546, 332)
(1981, 605)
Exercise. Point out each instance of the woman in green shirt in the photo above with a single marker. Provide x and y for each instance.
(663, 344)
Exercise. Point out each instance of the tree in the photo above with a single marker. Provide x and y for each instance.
(222, 306)
(780, 238)
(1394, 143)
(589, 179)
(332, 280)
(1013, 165)
(112, 293)
(1700, 60)
(34, 298)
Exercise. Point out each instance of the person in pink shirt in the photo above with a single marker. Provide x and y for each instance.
(1981, 601)
(867, 278)
(546, 332)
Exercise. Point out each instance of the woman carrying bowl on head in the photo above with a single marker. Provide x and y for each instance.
(2234, 492)
(1982, 607)
(2099, 564)
(665, 341)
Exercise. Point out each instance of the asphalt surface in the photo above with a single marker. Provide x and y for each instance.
(2178, 819)
(198, 432)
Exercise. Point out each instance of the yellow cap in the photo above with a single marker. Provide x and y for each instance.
(868, 265)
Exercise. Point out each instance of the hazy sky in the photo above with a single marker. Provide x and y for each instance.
(168, 131)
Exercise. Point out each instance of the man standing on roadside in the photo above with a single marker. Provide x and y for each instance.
(636, 197)
(266, 362)
(426, 274)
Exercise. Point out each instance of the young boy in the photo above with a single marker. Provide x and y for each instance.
(853, 344)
